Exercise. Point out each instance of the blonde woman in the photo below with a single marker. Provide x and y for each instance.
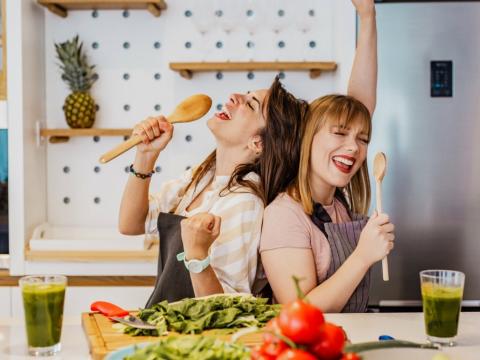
(318, 227)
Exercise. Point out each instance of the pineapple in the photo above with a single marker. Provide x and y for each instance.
(79, 106)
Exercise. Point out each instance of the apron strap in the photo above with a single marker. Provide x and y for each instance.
(320, 215)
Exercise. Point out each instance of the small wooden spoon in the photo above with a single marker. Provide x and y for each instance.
(190, 109)
(379, 169)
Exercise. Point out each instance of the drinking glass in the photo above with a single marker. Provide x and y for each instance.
(43, 298)
(442, 292)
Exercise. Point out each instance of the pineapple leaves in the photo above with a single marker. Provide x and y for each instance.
(76, 71)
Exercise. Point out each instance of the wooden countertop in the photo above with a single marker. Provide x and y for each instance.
(7, 280)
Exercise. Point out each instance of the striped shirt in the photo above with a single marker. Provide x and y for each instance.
(234, 254)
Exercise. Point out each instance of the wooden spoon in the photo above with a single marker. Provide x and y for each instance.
(379, 169)
(190, 109)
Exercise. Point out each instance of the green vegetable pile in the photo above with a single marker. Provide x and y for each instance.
(192, 316)
(189, 347)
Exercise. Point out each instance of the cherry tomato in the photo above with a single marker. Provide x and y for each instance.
(351, 356)
(296, 354)
(272, 344)
(301, 322)
(330, 343)
(257, 354)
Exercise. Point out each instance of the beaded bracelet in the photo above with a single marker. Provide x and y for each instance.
(140, 175)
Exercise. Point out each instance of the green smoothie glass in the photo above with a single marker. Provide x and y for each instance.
(442, 292)
(43, 298)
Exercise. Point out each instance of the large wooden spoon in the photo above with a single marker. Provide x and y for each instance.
(379, 169)
(190, 109)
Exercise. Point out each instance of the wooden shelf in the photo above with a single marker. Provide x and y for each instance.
(63, 135)
(93, 256)
(61, 7)
(186, 69)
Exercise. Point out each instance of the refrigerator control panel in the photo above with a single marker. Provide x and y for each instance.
(441, 78)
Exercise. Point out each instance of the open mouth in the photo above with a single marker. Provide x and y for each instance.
(344, 163)
(224, 114)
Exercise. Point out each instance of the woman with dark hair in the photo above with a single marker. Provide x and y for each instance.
(208, 221)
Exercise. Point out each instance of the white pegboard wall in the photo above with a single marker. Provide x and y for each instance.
(132, 51)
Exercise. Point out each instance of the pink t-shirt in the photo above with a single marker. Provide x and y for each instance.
(286, 225)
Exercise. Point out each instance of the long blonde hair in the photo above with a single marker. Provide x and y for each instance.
(342, 110)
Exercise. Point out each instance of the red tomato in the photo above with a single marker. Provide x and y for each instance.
(301, 322)
(257, 354)
(296, 354)
(274, 348)
(272, 344)
(351, 356)
(330, 343)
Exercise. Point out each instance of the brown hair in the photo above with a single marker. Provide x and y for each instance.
(278, 163)
(342, 110)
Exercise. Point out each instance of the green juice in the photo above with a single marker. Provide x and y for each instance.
(441, 307)
(43, 304)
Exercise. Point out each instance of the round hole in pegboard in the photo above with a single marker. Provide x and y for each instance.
(219, 75)
(219, 107)
(157, 107)
(218, 13)
(281, 44)
(250, 12)
(97, 107)
(126, 13)
(96, 200)
(95, 14)
(126, 107)
(66, 200)
(97, 169)
(188, 138)
(188, 168)
(250, 44)
(281, 13)
(188, 13)
(96, 138)
(312, 44)
(219, 44)
(281, 75)
(188, 45)
(157, 44)
(158, 169)
(127, 169)
(157, 76)
(311, 12)
(250, 75)
(126, 76)
(66, 169)
(126, 45)
(95, 45)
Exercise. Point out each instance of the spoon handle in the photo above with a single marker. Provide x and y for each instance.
(385, 273)
(120, 149)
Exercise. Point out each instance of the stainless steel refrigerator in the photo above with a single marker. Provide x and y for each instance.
(428, 123)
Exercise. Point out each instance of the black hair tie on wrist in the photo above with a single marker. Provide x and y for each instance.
(140, 175)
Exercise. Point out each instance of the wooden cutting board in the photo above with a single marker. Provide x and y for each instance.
(103, 338)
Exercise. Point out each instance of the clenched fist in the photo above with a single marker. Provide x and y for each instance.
(155, 132)
(364, 7)
(198, 234)
(376, 239)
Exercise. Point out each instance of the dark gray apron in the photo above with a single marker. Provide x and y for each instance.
(173, 281)
(343, 239)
